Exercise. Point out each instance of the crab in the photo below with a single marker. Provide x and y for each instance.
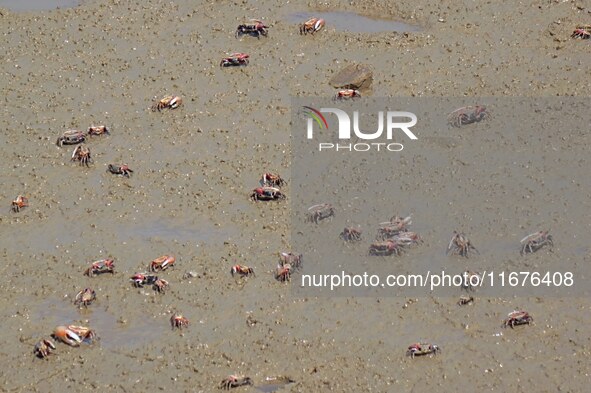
(85, 297)
(289, 258)
(162, 263)
(19, 202)
(67, 336)
(141, 279)
(44, 348)
(385, 248)
(178, 321)
(85, 334)
(582, 31)
(392, 228)
(347, 94)
(534, 241)
(160, 285)
(351, 234)
(235, 59)
(97, 130)
(82, 154)
(320, 212)
(272, 180)
(421, 349)
(516, 318)
(283, 272)
(243, 271)
(468, 115)
(234, 381)
(460, 245)
(257, 30)
(464, 300)
(407, 238)
(71, 137)
(266, 193)
(167, 102)
(123, 170)
(311, 26)
(101, 266)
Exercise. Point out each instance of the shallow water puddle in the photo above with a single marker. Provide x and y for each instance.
(354, 23)
(37, 5)
(271, 387)
(177, 230)
(111, 332)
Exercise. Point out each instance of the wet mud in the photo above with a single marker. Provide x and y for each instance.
(105, 62)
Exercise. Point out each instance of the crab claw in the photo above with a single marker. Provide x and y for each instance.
(67, 336)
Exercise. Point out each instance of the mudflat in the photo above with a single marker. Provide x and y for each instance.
(104, 62)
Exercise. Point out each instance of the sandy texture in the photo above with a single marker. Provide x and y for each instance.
(194, 168)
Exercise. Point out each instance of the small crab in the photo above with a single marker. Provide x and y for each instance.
(141, 279)
(85, 297)
(97, 130)
(243, 271)
(168, 102)
(67, 336)
(234, 381)
(85, 334)
(385, 248)
(421, 349)
(582, 32)
(272, 180)
(347, 94)
(283, 272)
(407, 238)
(160, 285)
(256, 30)
(123, 170)
(465, 300)
(296, 261)
(534, 241)
(468, 115)
(392, 228)
(162, 263)
(101, 266)
(266, 193)
(516, 318)
(311, 26)
(235, 59)
(178, 321)
(460, 245)
(71, 137)
(320, 212)
(351, 234)
(82, 154)
(44, 348)
(19, 202)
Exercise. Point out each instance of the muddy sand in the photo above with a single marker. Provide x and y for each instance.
(104, 61)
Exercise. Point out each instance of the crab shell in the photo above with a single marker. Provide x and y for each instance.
(97, 130)
(44, 347)
(67, 336)
(83, 332)
(85, 297)
(242, 270)
(178, 321)
(162, 263)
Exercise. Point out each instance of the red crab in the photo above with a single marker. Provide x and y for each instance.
(101, 266)
(162, 263)
(235, 59)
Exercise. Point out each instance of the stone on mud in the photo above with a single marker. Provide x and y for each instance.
(353, 76)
